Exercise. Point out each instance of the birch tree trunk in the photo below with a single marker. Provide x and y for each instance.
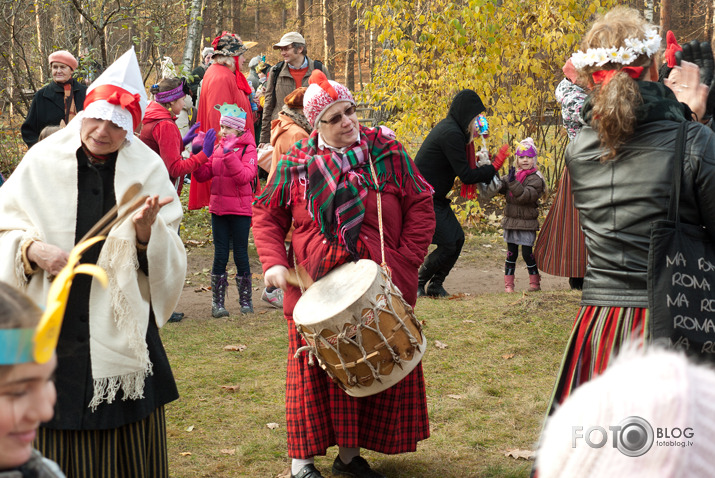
(193, 35)
(328, 36)
(41, 51)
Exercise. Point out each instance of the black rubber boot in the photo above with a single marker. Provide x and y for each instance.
(245, 293)
(423, 276)
(219, 282)
(435, 289)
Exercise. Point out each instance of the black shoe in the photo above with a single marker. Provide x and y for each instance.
(308, 471)
(176, 317)
(358, 468)
(421, 290)
(576, 283)
(436, 290)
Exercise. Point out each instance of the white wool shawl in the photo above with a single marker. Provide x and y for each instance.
(39, 201)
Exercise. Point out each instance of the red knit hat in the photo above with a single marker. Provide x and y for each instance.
(64, 57)
(322, 93)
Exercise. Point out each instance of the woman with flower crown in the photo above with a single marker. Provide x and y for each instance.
(621, 174)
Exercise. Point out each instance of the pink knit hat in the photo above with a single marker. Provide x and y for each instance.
(322, 93)
(664, 405)
(64, 57)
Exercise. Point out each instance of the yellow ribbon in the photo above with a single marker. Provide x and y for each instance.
(47, 332)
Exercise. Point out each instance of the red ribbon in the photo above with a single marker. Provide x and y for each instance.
(117, 96)
(604, 76)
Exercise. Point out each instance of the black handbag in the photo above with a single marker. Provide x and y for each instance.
(681, 275)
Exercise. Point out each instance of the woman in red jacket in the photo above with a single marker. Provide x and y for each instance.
(160, 133)
(324, 186)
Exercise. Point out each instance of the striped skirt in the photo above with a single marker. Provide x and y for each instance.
(137, 450)
(560, 248)
(597, 334)
(319, 414)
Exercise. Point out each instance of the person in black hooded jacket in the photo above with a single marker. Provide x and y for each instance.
(442, 158)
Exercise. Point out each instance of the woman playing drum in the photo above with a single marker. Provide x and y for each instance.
(324, 185)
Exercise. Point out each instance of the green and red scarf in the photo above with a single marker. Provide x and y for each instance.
(337, 183)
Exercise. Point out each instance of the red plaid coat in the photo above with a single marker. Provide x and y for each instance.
(318, 413)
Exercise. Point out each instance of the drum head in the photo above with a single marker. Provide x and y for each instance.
(335, 292)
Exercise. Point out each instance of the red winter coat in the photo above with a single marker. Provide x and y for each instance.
(160, 133)
(217, 87)
(409, 222)
(232, 173)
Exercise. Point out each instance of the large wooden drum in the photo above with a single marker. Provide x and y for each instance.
(363, 333)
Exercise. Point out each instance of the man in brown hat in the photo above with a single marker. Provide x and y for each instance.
(287, 75)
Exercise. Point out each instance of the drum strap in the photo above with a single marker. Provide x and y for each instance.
(379, 220)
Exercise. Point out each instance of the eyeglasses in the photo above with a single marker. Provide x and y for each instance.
(337, 118)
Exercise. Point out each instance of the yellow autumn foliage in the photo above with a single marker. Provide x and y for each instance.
(509, 51)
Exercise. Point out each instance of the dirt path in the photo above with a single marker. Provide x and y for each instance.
(479, 270)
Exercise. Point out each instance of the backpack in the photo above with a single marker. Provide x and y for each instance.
(276, 69)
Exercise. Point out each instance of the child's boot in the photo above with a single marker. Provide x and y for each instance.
(219, 282)
(245, 292)
(534, 282)
(509, 283)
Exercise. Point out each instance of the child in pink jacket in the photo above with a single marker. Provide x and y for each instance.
(233, 170)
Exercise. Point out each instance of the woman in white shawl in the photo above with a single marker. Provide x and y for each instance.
(113, 377)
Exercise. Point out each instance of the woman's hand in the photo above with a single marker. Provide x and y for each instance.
(145, 217)
(191, 134)
(276, 276)
(48, 257)
(684, 80)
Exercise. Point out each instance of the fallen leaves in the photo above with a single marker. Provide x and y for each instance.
(185, 453)
(455, 397)
(235, 348)
(520, 454)
(203, 288)
(192, 242)
(190, 428)
(440, 345)
(228, 451)
(507, 356)
(468, 321)
(231, 388)
(272, 426)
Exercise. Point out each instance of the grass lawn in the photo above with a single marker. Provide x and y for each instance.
(487, 390)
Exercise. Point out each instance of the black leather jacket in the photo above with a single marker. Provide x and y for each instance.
(617, 201)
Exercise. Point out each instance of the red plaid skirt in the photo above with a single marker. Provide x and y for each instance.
(598, 333)
(319, 414)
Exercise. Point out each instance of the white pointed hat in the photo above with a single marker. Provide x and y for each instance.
(118, 95)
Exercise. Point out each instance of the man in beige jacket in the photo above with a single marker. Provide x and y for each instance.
(289, 74)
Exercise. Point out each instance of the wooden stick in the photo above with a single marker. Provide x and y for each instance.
(128, 195)
(299, 277)
(136, 204)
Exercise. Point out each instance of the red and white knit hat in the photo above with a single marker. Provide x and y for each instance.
(322, 93)
(118, 94)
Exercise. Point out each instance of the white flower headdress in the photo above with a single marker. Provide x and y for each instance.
(623, 55)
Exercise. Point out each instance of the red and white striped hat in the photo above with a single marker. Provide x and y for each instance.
(322, 93)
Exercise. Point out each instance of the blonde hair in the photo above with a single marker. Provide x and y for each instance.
(615, 103)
